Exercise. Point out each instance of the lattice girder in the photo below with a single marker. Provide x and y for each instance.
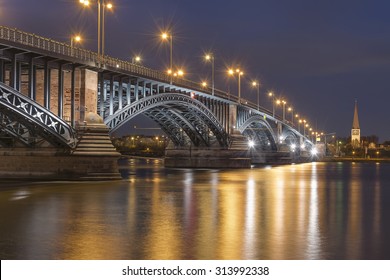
(32, 116)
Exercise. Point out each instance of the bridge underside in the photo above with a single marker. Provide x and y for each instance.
(185, 120)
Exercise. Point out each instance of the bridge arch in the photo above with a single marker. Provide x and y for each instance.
(184, 119)
(256, 127)
(289, 137)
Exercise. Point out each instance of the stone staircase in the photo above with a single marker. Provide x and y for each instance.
(96, 154)
(95, 141)
(238, 142)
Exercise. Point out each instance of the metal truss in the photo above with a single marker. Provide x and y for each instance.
(181, 125)
(12, 128)
(29, 122)
(171, 128)
(256, 127)
(176, 113)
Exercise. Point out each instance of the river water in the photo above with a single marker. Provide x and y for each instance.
(305, 211)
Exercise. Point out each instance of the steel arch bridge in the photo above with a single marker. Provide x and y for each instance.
(189, 114)
(175, 113)
(193, 117)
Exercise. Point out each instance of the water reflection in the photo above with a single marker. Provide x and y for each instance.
(307, 211)
(313, 234)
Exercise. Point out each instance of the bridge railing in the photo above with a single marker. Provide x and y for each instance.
(33, 40)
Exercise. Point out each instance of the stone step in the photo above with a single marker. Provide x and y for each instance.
(94, 136)
(95, 145)
(96, 150)
(94, 153)
(95, 141)
(238, 142)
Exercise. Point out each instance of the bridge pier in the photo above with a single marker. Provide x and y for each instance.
(72, 95)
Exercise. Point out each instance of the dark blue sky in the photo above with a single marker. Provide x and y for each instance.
(319, 55)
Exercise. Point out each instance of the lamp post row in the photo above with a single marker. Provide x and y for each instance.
(102, 5)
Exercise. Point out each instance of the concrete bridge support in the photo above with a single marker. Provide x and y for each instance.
(71, 94)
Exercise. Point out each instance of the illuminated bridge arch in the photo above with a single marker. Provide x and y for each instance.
(259, 130)
(184, 119)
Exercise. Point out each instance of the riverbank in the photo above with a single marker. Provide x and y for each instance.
(353, 159)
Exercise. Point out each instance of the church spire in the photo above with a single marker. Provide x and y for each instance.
(355, 131)
(355, 124)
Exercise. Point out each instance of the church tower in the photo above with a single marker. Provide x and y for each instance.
(355, 132)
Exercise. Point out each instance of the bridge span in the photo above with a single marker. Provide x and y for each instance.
(53, 95)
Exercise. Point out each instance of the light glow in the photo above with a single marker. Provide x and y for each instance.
(293, 146)
(251, 143)
(84, 2)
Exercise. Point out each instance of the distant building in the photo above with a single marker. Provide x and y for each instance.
(355, 132)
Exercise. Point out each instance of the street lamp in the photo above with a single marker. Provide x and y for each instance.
(256, 85)
(304, 128)
(210, 57)
(101, 26)
(239, 74)
(73, 39)
(136, 59)
(178, 73)
(271, 94)
(301, 121)
(291, 109)
(168, 37)
(283, 106)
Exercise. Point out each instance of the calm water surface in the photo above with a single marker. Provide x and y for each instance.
(307, 211)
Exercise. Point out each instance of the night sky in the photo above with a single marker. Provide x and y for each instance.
(318, 55)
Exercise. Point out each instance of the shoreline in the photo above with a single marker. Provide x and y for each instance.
(351, 159)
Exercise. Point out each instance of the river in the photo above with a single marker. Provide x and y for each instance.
(304, 211)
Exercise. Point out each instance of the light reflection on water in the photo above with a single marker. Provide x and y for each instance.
(306, 211)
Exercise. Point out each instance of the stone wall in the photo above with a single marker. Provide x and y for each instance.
(59, 167)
